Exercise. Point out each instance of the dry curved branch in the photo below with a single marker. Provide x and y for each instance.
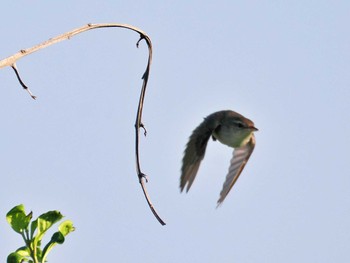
(11, 62)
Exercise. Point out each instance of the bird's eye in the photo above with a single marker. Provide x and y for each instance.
(240, 125)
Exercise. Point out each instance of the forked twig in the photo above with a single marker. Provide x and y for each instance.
(11, 61)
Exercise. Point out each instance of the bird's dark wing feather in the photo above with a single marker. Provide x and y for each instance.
(195, 150)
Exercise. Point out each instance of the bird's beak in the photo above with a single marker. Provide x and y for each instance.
(253, 128)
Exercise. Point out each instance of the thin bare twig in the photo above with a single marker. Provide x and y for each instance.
(11, 61)
(21, 82)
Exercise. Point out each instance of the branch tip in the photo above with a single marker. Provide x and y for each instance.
(141, 38)
(21, 82)
(143, 186)
(144, 129)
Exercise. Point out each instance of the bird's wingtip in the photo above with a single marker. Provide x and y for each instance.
(218, 203)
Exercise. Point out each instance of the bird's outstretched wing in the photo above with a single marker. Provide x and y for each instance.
(195, 150)
(239, 160)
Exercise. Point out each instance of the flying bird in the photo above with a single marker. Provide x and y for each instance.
(229, 128)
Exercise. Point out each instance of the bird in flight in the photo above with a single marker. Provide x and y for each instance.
(229, 128)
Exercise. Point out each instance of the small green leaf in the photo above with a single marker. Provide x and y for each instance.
(18, 219)
(45, 221)
(66, 227)
(23, 251)
(16, 257)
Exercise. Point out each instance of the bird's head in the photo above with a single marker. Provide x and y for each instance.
(235, 130)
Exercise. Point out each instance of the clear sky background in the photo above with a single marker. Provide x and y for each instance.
(283, 64)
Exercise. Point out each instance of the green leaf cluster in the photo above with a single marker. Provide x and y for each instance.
(33, 232)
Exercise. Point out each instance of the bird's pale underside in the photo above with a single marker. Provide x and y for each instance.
(231, 129)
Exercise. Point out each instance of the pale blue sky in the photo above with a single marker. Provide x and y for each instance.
(283, 64)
